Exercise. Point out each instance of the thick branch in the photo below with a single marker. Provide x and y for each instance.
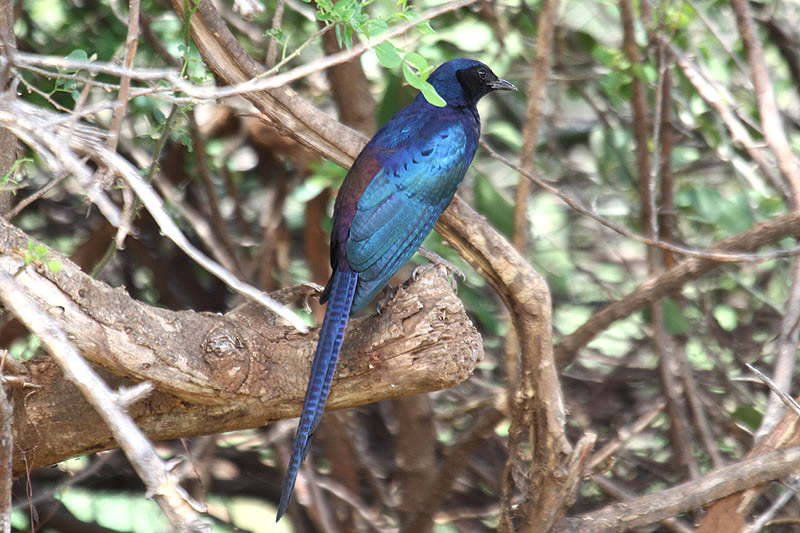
(157, 478)
(538, 410)
(221, 372)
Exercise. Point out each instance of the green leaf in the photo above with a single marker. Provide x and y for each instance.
(413, 79)
(348, 37)
(78, 55)
(387, 55)
(344, 10)
(424, 87)
(726, 317)
(419, 62)
(749, 416)
(375, 27)
(425, 28)
(75, 55)
(339, 37)
(494, 206)
(54, 265)
(674, 320)
(8, 178)
(431, 95)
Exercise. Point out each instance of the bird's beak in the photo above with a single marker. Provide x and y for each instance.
(502, 85)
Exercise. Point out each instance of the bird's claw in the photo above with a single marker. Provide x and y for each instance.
(388, 294)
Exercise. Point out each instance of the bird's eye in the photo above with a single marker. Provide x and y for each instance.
(482, 73)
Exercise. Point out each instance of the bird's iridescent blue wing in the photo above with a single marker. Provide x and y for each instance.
(402, 202)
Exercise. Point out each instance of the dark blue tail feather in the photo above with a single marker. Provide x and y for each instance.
(342, 288)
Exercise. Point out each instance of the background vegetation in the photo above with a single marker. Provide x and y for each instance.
(667, 121)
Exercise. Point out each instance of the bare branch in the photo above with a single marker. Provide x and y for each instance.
(669, 281)
(34, 127)
(690, 495)
(537, 87)
(787, 400)
(160, 483)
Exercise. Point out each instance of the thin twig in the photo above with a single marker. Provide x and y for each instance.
(201, 227)
(160, 483)
(370, 516)
(131, 44)
(790, 402)
(726, 257)
(299, 50)
(217, 222)
(624, 434)
(536, 98)
(28, 200)
(272, 47)
(98, 461)
(29, 122)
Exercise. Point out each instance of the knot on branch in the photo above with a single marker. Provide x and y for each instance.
(227, 356)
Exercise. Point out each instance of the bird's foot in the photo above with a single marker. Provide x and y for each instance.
(437, 260)
(388, 294)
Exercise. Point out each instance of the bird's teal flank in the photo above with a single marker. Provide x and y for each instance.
(390, 200)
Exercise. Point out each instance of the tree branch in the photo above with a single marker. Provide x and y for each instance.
(691, 495)
(217, 373)
(658, 286)
(161, 484)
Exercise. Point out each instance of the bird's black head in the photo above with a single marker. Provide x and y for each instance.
(462, 82)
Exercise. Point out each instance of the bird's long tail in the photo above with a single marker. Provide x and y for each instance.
(343, 287)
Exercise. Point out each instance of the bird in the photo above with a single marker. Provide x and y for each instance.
(391, 197)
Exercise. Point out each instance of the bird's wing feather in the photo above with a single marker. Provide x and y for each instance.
(401, 204)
